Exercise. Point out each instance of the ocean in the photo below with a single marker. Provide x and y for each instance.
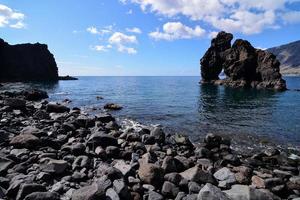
(182, 105)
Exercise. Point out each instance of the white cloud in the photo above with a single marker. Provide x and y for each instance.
(92, 30)
(245, 22)
(105, 30)
(245, 16)
(176, 30)
(116, 40)
(134, 30)
(121, 38)
(11, 18)
(103, 48)
(124, 49)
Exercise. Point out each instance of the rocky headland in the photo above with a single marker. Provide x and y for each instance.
(26, 62)
(243, 65)
(50, 152)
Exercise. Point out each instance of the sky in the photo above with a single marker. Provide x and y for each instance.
(143, 37)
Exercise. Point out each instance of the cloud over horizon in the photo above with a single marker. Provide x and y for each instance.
(116, 39)
(176, 30)
(243, 16)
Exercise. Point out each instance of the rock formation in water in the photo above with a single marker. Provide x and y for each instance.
(26, 62)
(244, 65)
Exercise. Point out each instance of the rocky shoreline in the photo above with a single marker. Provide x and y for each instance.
(51, 152)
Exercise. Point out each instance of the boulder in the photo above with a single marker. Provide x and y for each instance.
(55, 166)
(15, 103)
(169, 189)
(151, 174)
(42, 196)
(155, 196)
(225, 177)
(158, 134)
(56, 108)
(244, 192)
(198, 175)
(35, 95)
(89, 192)
(5, 164)
(112, 106)
(211, 192)
(125, 168)
(102, 139)
(121, 189)
(28, 141)
(27, 189)
(243, 65)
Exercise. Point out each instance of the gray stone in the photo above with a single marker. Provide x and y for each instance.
(5, 164)
(180, 196)
(169, 164)
(158, 134)
(198, 175)
(95, 191)
(173, 177)
(27, 189)
(19, 152)
(151, 174)
(42, 196)
(111, 194)
(55, 166)
(211, 192)
(89, 192)
(15, 103)
(244, 192)
(225, 176)
(56, 108)
(81, 162)
(112, 151)
(239, 192)
(121, 189)
(125, 168)
(194, 187)
(102, 139)
(169, 189)
(28, 141)
(155, 196)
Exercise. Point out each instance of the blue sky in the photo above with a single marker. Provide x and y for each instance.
(143, 37)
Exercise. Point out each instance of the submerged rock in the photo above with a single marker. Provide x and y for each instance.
(112, 106)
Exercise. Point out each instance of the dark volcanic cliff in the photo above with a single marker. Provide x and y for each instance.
(26, 62)
(244, 65)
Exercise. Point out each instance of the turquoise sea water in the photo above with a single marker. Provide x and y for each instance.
(182, 105)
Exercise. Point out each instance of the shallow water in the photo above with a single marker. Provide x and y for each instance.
(182, 105)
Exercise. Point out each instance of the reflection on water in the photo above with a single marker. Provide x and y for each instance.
(182, 105)
(229, 110)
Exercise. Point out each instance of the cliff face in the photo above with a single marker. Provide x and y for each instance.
(288, 55)
(243, 65)
(26, 62)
